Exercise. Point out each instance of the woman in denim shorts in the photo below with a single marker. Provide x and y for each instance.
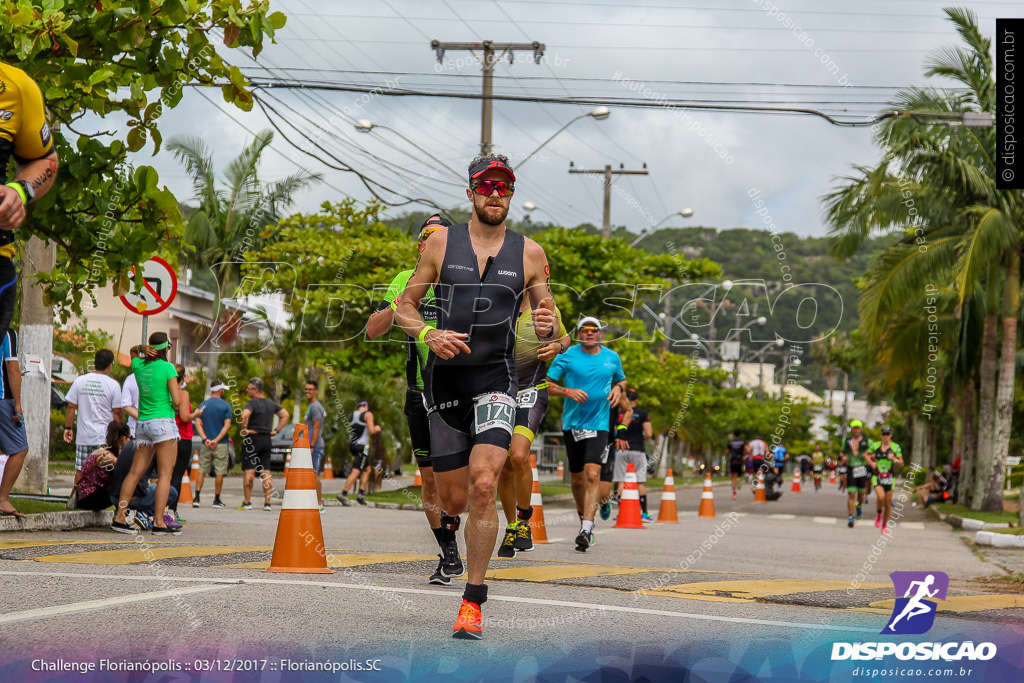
(156, 431)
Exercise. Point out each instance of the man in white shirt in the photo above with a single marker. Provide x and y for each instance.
(130, 401)
(96, 397)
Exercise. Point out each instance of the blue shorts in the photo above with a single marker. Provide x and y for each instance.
(12, 434)
(156, 430)
(318, 458)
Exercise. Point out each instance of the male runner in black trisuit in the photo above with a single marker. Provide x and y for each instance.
(480, 272)
(738, 451)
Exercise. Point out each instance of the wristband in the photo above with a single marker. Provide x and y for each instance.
(623, 427)
(422, 336)
(69, 429)
(20, 190)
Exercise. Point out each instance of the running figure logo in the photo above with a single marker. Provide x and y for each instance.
(914, 613)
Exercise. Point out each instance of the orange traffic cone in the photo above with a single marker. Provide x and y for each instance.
(561, 470)
(288, 462)
(667, 512)
(328, 474)
(418, 481)
(759, 495)
(299, 546)
(796, 482)
(185, 492)
(629, 503)
(707, 499)
(194, 471)
(831, 476)
(537, 528)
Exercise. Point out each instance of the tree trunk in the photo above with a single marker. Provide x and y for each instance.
(986, 414)
(969, 459)
(917, 448)
(1004, 398)
(846, 404)
(36, 337)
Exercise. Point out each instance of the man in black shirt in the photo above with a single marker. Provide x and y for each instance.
(738, 450)
(257, 420)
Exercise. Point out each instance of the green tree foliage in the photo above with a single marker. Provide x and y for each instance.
(116, 59)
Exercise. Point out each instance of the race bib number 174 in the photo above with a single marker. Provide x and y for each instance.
(493, 411)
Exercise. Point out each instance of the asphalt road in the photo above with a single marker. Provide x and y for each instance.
(762, 590)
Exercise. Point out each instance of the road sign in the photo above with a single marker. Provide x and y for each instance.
(160, 284)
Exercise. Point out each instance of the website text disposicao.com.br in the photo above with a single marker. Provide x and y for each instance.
(911, 672)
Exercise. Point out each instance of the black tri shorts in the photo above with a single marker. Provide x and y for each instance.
(468, 406)
(256, 453)
(419, 427)
(585, 447)
(532, 407)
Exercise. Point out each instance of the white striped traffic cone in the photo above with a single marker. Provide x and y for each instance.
(537, 528)
(668, 512)
(707, 499)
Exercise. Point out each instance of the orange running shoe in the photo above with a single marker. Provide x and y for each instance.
(467, 626)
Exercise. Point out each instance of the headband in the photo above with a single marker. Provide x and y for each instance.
(161, 347)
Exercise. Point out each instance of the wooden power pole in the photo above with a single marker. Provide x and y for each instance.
(607, 172)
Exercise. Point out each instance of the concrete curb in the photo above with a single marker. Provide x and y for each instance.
(997, 540)
(58, 521)
(969, 524)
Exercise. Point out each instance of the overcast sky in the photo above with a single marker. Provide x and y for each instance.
(756, 52)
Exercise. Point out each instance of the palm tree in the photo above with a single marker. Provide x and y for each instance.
(965, 235)
(231, 220)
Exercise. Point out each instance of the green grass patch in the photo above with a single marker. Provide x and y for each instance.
(29, 506)
(409, 495)
(964, 511)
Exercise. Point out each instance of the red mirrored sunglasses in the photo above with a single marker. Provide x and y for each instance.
(487, 187)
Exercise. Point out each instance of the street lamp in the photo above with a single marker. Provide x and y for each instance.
(685, 213)
(365, 126)
(529, 207)
(597, 113)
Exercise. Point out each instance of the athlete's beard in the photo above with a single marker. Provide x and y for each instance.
(490, 218)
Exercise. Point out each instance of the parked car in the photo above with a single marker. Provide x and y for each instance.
(281, 446)
(198, 442)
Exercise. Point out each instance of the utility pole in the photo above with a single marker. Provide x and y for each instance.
(606, 225)
(487, 62)
(36, 339)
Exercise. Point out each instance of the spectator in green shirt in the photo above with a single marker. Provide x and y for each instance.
(156, 432)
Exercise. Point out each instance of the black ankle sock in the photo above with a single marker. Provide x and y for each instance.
(362, 491)
(524, 514)
(643, 503)
(475, 593)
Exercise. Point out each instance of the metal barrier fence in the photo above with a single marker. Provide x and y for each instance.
(549, 449)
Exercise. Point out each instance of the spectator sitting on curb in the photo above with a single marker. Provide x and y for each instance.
(144, 497)
(98, 469)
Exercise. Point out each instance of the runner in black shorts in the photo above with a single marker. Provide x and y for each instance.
(480, 272)
(620, 417)
(257, 420)
(738, 450)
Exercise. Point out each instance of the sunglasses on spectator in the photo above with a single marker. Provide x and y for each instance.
(487, 187)
(590, 329)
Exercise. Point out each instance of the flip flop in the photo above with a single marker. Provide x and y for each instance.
(12, 513)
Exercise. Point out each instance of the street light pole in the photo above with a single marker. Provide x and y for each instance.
(685, 213)
(597, 113)
(365, 126)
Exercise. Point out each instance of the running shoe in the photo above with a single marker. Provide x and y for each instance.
(467, 625)
(451, 565)
(878, 520)
(195, 500)
(858, 512)
(508, 543)
(244, 506)
(360, 500)
(121, 527)
(583, 541)
(849, 522)
(321, 509)
(593, 539)
(645, 517)
(266, 506)
(885, 528)
(438, 578)
(166, 531)
(606, 509)
(734, 495)
(217, 502)
(343, 499)
(177, 517)
(524, 537)
(142, 521)
(171, 523)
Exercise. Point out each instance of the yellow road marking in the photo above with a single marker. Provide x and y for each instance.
(567, 571)
(137, 554)
(8, 545)
(348, 560)
(748, 591)
(960, 604)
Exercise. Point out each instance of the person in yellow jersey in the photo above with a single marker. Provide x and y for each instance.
(515, 483)
(24, 136)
